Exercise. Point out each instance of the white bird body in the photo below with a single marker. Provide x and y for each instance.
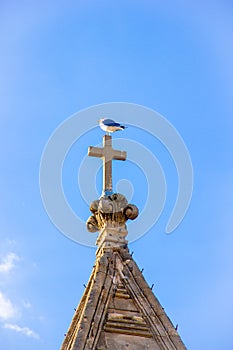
(110, 125)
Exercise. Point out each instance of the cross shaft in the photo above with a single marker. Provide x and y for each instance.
(107, 153)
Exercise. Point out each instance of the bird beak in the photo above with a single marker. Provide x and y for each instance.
(98, 120)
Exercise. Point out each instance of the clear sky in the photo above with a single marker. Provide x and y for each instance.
(59, 57)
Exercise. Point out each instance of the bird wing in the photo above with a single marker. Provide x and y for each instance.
(110, 122)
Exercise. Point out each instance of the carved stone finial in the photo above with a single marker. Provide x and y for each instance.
(110, 211)
(110, 214)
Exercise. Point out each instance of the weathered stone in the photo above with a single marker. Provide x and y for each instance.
(110, 211)
(119, 311)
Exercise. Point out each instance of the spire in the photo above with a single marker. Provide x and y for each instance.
(118, 309)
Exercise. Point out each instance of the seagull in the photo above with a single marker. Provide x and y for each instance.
(109, 125)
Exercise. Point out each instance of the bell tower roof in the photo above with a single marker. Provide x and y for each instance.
(118, 310)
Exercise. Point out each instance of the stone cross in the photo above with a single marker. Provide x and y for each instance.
(107, 153)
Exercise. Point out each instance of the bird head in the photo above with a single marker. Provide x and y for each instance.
(101, 120)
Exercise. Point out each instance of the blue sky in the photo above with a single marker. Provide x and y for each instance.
(60, 57)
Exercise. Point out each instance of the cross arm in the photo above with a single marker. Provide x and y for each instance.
(95, 152)
(119, 155)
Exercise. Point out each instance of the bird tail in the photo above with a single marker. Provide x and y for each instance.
(123, 127)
